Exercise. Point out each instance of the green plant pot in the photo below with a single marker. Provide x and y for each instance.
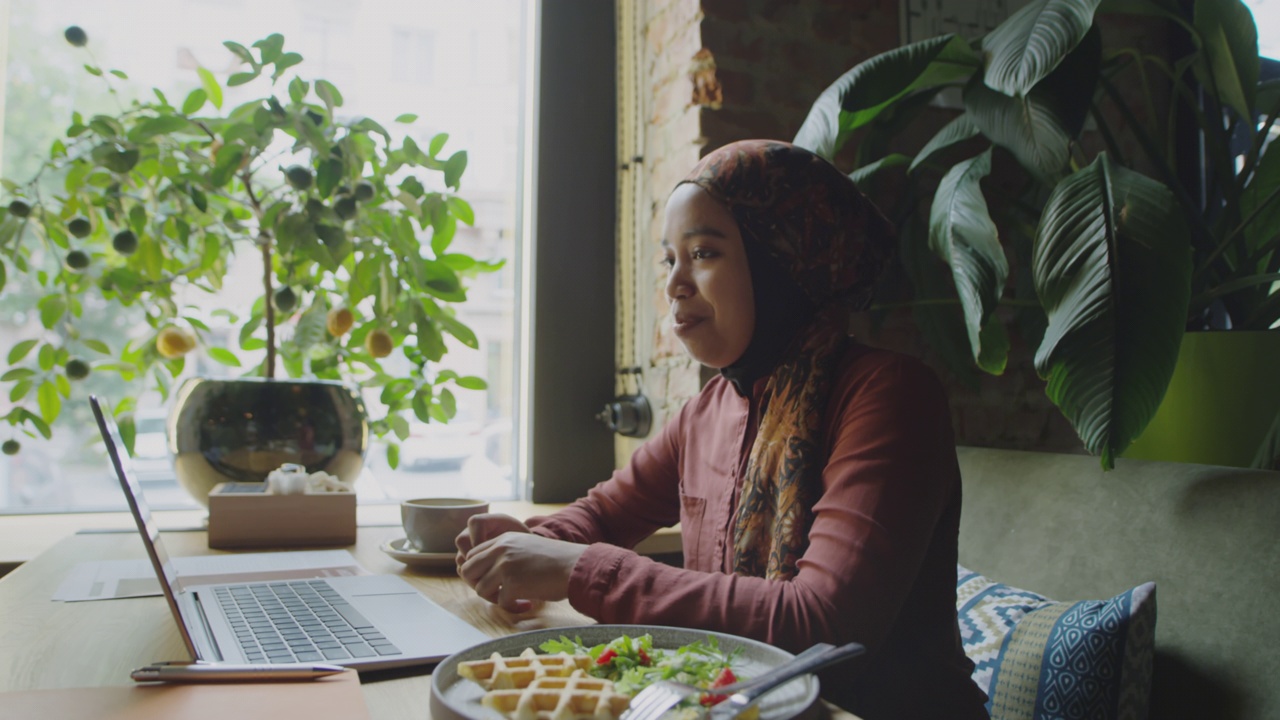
(241, 430)
(1223, 397)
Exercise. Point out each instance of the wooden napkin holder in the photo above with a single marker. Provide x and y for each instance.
(244, 515)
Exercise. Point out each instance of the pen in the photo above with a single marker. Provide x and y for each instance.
(217, 672)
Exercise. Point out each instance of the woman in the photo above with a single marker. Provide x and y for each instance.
(815, 480)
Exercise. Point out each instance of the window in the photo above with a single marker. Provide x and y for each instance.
(383, 69)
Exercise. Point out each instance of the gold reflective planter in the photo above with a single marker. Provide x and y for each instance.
(240, 430)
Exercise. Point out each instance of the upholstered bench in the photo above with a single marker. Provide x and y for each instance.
(1049, 526)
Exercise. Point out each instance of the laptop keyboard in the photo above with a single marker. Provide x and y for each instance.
(299, 621)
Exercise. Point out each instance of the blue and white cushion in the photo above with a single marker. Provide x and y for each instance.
(1038, 659)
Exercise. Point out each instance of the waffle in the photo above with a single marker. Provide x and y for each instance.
(503, 673)
(559, 698)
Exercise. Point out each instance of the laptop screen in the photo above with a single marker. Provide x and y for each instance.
(123, 465)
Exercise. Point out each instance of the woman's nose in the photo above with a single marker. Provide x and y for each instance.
(679, 286)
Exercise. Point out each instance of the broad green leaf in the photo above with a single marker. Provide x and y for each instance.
(97, 346)
(211, 87)
(195, 100)
(399, 425)
(93, 70)
(329, 94)
(454, 167)
(284, 62)
(1028, 127)
(224, 356)
(859, 95)
(437, 144)
(461, 210)
(393, 455)
(115, 157)
(459, 330)
(17, 374)
(49, 401)
(421, 403)
(471, 382)
(160, 125)
(270, 47)
(241, 78)
(1260, 201)
(21, 350)
(958, 130)
(406, 118)
(52, 308)
(865, 173)
(1112, 268)
(298, 89)
(1229, 50)
(1028, 46)
(962, 233)
(120, 74)
(365, 124)
(240, 51)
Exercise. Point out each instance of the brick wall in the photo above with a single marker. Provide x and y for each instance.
(726, 70)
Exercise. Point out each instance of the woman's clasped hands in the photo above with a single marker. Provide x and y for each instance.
(512, 567)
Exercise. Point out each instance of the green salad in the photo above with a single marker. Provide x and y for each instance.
(634, 663)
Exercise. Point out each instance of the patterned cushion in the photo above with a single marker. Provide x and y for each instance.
(1037, 658)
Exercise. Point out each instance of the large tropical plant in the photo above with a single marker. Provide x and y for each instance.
(1121, 248)
(140, 209)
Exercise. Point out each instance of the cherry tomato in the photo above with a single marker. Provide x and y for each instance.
(606, 657)
(726, 677)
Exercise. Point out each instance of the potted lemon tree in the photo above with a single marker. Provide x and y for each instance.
(354, 231)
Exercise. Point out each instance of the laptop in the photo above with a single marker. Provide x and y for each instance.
(364, 622)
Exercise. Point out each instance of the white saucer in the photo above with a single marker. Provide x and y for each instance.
(400, 550)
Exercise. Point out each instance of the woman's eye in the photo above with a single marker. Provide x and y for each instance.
(667, 262)
(702, 254)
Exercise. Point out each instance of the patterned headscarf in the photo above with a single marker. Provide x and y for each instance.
(833, 243)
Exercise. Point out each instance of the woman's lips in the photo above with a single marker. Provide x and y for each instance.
(682, 324)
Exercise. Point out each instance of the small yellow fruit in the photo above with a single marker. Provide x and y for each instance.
(174, 342)
(379, 343)
(339, 321)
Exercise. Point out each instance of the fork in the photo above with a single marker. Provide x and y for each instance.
(661, 696)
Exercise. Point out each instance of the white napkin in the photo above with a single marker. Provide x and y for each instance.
(293, 479)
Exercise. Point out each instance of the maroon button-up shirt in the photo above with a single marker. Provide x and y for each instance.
(881, 564)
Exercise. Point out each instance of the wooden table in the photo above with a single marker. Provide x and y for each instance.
(47, 644)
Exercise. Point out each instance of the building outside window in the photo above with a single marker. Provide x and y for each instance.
(388, 57)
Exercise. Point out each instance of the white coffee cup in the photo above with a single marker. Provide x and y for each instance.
(432, 524)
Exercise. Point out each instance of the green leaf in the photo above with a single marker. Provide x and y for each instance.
(1112, 268)
(858, 96)
(448, 403)
(471, 382)
(241, 78)
(368, 125)
(195, 100)
(406, 118)
(329, 94)
(462, 210)
(958, 130)
(97, 346)
(160, 125)
(1028, 46)
(298, 89)
(962, 233)
(115, 157)
(454, 167)
(52, 308)
(21, 350)
(458, 330)
(224, 356)
(284, 62)
(393, 456)
(120, 74)
(228, 163)
(240, 51)
(1229, 59)
(211, 87)
(437, 143)
(17, 374)
(421, 403)
(95, 71)
(49, 401)
(1029, 127)
(270, 47)
(866, 172)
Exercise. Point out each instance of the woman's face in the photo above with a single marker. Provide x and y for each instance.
(713, 310)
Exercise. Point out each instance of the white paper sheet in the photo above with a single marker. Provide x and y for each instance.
(107, 579)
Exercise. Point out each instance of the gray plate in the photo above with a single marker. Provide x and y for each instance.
(455, 698)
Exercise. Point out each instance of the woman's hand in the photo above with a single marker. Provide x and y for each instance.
(515, 568)
(482, 527)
